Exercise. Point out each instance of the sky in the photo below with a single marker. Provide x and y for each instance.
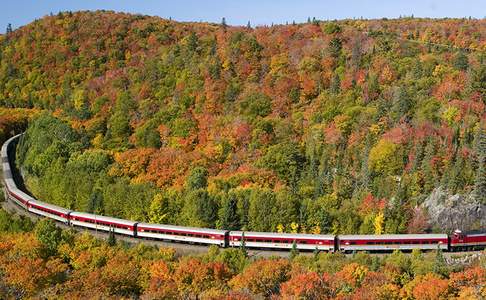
(239, 12)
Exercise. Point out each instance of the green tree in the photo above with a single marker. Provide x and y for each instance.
(200, 209)
(119, 123)
(461, 61)
(285, 159)
(159, 209)
(111, 238)
(440, 266)
(197, 179)
(228, 214)
(9, 29)
(294, 252)
(49, 235)
(256, 105)
(262, 210)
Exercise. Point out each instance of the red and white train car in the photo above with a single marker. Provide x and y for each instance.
(48, 210)
(102, 223)
(461, 241)
(182, 234)
(282, 240)
(16, 195)
(390, 242)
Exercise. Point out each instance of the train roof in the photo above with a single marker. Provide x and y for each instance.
(11, 184)
(48, 205)
(391, 236)
(14, 189)
(102, 218)
(4, 151)
(282, 235)
(182, 228)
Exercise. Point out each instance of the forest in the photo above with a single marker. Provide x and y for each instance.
(321, 127)
(39, 260)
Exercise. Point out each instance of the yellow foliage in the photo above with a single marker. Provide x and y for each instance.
(294, 227)
(316, 229)
(385, 158)
(379, 220)
(450, 114)
(280, 228)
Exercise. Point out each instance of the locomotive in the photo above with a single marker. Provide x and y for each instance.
(458, 241)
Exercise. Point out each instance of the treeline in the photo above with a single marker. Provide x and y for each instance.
(43, 261)
(323, 127)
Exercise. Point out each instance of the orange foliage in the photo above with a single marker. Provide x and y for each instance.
(262, 277)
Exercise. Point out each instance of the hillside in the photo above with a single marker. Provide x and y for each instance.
(339, 127)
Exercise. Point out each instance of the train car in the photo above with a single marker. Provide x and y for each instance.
(183, 234)
(282, 240)
(463, 241)
(390, 242)
(14, 194)
(48, 210)
(102, 223)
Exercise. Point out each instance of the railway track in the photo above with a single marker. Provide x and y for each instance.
(186, 240)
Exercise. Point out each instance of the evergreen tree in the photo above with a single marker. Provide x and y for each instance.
(440, 266)
(335, 84)
(9, 29)
(248, 25)
(192, 42)
(243, 245)
(294, 252)
(111, 238)
(223, 23)
(461, 62)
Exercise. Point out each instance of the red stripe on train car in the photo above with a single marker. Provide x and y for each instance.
(387, 241)
(52, 211)
(102, 222)
(18, 197)
(310, 241)
(165, 231)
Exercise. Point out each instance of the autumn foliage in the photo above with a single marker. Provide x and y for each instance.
(82, 266)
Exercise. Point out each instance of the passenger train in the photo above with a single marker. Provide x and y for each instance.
(225, 238)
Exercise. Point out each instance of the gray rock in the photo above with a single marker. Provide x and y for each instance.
(449, 212)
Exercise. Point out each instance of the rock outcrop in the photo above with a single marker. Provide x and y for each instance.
(449, 212)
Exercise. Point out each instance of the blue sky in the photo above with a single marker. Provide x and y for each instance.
(258, 12)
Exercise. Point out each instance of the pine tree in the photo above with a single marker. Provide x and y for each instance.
(248, 25)
(461, 61)
(243, 245)
(335, 84)
(294, 252)
(440, 266)
(111, 238)
(9, 29)
(223, 22)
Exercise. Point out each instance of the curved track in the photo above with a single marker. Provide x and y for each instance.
(27, 206)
